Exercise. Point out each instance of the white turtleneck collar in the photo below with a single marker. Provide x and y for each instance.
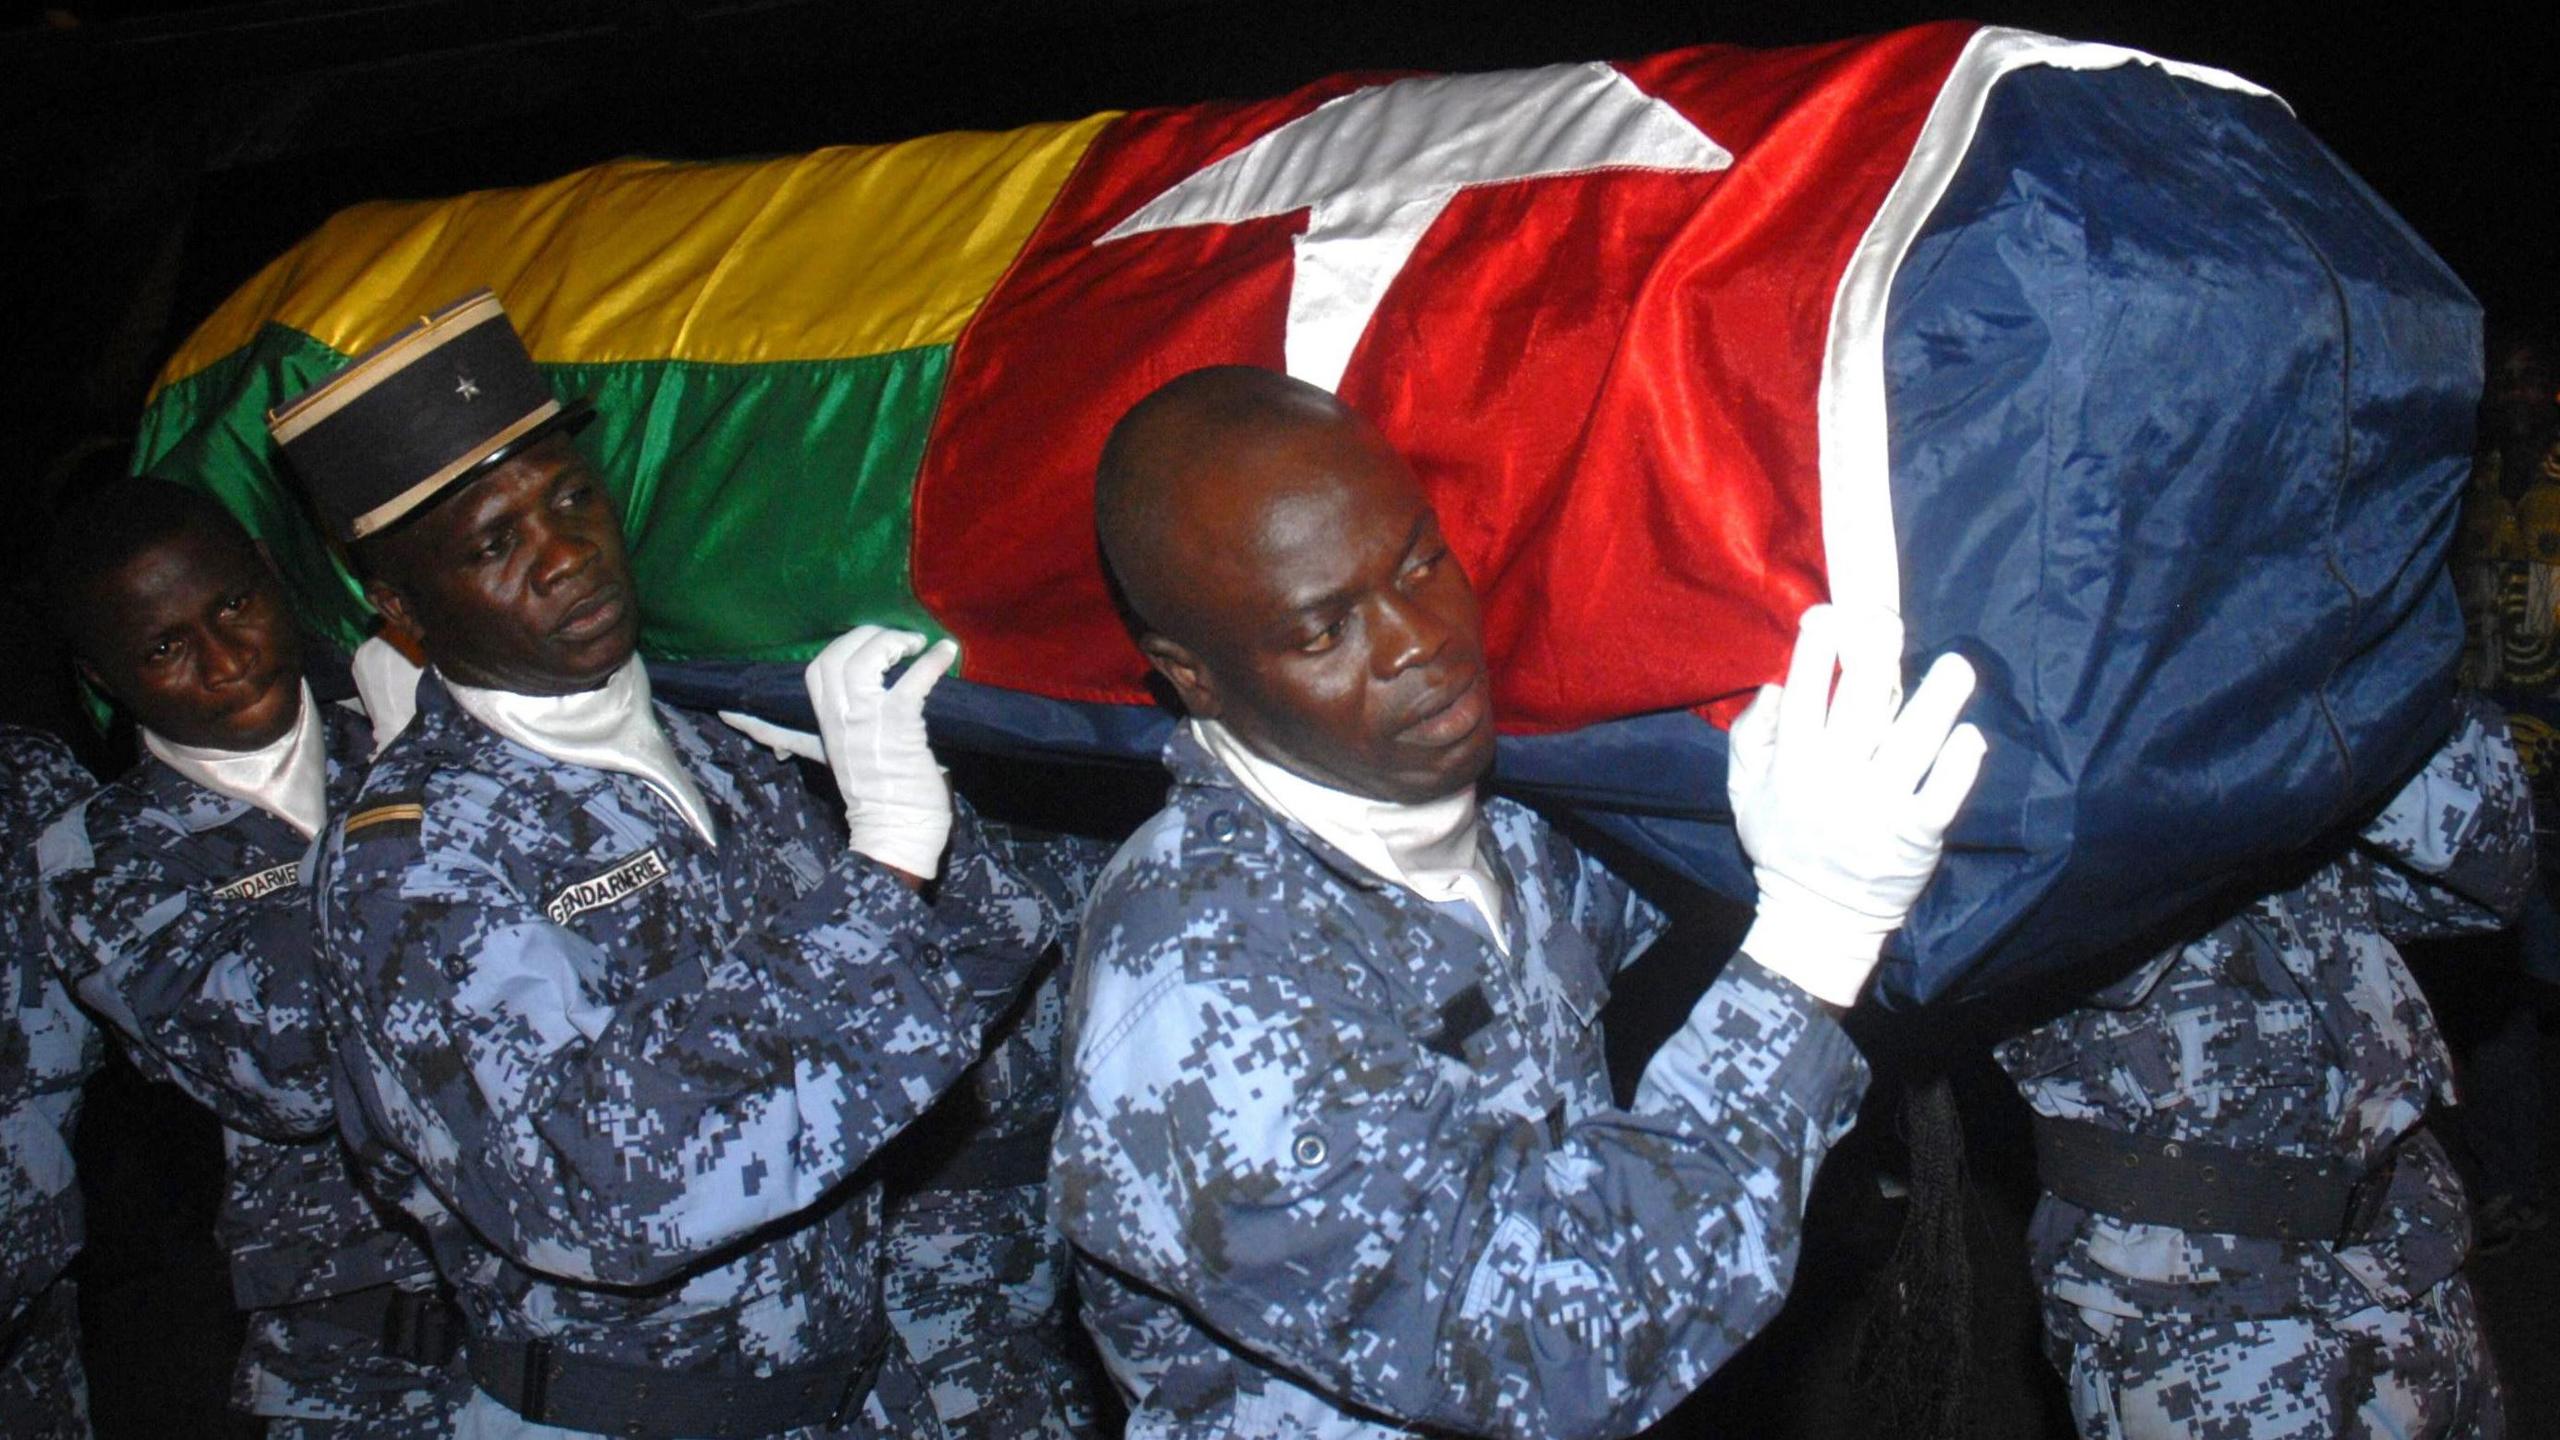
(288, 777)
(386, 689)
(608, 728)
(1434, 849)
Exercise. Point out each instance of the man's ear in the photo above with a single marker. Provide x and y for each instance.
(1190, 679)
(396, 613)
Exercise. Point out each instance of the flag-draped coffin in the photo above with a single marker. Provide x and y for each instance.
(2095, 367)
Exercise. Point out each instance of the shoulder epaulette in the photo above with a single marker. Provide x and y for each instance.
(386, 816)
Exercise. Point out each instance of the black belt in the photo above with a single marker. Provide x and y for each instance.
(999, 1163)
(2213, 1189)
(550, 1386)
(419, 1326)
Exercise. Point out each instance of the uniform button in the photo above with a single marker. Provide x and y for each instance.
(1222, 825)
(2171, 1150)
(1309, 1151)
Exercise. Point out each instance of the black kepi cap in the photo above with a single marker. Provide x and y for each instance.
(425, 410)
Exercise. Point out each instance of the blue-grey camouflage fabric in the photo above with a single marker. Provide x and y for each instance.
(44, 1390)
(2293, 1028)
(1335, 1163)
(622, 1075)
(977, 1279)
(182, 916)
(47, 1051)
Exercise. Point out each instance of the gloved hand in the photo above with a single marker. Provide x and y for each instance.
(896, 801)
(1842, 800)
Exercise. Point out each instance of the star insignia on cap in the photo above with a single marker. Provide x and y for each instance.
(463, 387)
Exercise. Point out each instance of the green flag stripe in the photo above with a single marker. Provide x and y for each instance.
(768, 507)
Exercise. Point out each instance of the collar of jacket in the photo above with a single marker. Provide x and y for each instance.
(198, 808)
(1202, 786)
(444, 733)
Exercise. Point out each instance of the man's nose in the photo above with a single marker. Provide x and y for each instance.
(563, 554)
(1410, 633)
(226, 656)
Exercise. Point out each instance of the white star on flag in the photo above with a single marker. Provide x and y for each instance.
(1375, 168)
(463, 387)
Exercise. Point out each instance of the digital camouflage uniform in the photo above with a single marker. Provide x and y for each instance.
(977, 1280)
(1332, 1161)
(2293, 1028)
(180, 915)
(47, 1051)
(622, 1075)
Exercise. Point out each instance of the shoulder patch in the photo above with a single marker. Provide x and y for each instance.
(262, 883)
(626, 879)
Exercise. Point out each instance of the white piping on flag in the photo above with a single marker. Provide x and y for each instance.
(1857, 489)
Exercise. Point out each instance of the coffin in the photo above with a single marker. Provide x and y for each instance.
(2095, 367)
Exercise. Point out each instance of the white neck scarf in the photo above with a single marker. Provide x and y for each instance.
(608, 728)
(387, 684)
(1433, 849)
(287, 777)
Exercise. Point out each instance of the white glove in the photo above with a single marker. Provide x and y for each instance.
(785, 742)
(896, 801)
(1830, 800)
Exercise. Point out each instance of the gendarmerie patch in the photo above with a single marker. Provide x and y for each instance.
(265, 882)
(619, 883)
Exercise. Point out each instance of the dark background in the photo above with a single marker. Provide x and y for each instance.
(154, 156)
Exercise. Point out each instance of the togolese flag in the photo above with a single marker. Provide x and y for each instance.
(2093, 366)
(871, 383)
(765, 343)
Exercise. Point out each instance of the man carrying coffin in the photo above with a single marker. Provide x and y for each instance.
(2248, 1228)
(622, 1011)
(177, 908)
(1338, 1154)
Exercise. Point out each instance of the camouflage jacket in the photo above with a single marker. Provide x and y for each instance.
(975, 1286)
(621, 1074)
(1012, 1092)
(47, 1048)
(1014, 1089)
(2295, 1028)
(1335, 1163)
(181, 915)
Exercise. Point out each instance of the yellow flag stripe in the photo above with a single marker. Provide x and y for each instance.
(848, 251)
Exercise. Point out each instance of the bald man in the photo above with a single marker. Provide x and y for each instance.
(1339, 1155)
